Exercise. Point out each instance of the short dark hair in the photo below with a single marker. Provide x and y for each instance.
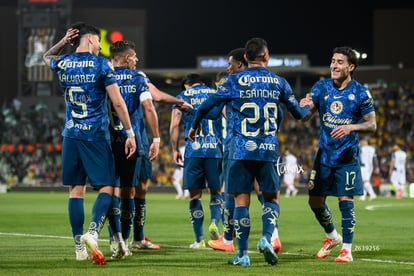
(190, 79)
(120, 47)
(255, 48)
(349, 52)
(84, 28)
(221, 75)
(238, 54)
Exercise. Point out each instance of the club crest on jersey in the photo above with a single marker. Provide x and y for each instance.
(336, 107)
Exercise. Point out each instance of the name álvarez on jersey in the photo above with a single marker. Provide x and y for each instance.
(66, 64)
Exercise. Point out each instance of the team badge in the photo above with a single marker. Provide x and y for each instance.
(336, 107)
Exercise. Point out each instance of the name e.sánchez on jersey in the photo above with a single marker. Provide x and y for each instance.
(249, 81)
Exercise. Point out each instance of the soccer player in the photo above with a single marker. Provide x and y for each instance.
(140, 241)
(202, 158)
(397, 170)
(252, 97)
(289, 168)
(345, 108)
(135, 92)
(178, 178)
(369, 164)
(87, 80)
(236, 63)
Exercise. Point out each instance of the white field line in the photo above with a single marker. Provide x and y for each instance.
(184, 247)
(373, 207)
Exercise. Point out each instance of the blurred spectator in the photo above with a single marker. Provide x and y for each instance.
(38, 131)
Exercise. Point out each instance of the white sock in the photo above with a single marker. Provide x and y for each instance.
(333, 235)
(347, 246)
(275, 234)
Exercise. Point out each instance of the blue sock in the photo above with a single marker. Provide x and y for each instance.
(76, 217)
(348, 220)
(228, 222)
(139, 218)
(224, 198)
(216, 202)
(261, 199)
(114, 216)
(197, 218)
(242, 228)
(111, 234)
(127, 214)
(270, 217)
(324, 217)
(99, 211)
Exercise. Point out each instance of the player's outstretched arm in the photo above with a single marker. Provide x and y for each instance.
(175, 135)
(368, 124)
(307, 101)
(152, 119)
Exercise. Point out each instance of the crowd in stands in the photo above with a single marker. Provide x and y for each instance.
(31, 140)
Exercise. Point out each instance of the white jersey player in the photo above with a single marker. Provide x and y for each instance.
(289, 173)
(397, 170)
(369, 161)
(178, 179)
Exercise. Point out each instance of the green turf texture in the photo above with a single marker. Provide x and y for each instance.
(35, 239)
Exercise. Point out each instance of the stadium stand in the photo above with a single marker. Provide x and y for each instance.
(30, 140)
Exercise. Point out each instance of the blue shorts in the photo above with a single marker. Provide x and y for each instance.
(199, 170)
(145, 168)
(335, 181)
(241, 175)
(92, 160)
(126, 170)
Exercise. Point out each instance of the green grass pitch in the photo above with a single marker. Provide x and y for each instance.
(35, 239)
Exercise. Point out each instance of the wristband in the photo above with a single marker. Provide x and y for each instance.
(130, 133)
(156, 140)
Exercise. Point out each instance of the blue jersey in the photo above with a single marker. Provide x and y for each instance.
(340, 107)
(134, 90)
(208, 143)
(252, 98)
(85, 94)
